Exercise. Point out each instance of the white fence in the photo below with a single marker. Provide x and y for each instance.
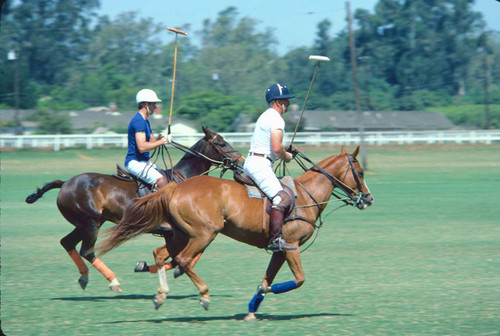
(90, 141)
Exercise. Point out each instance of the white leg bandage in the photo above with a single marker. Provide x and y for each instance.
(162, 277)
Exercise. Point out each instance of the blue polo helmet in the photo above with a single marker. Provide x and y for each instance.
(277, 91)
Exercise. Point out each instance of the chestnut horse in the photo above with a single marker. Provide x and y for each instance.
(90, 199)
(201, 207)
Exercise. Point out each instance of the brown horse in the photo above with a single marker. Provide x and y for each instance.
(90, 199)
(201, 207)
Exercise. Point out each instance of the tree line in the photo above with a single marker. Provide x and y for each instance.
(411, 55)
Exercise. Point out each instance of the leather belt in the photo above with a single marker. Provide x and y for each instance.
(260, 155)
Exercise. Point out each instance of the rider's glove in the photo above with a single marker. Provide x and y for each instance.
(166, 138)
(292, 150)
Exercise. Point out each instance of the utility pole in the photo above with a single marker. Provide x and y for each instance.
(12, 56)
(361, 128)
(486, 84)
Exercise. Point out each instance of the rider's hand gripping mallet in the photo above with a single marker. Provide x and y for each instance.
(177, 32)
(319, 59)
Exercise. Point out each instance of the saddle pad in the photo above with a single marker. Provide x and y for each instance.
(254, 192)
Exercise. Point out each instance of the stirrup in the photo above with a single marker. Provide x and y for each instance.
(279, 244)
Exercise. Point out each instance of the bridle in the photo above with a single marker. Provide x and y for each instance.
(359, 197)
(227, 162)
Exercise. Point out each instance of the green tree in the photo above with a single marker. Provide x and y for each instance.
(214, 109)
(52, 35)
(420, 44)
(242, 58)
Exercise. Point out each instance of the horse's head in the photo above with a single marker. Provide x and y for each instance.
(352, 181)
(222, 150)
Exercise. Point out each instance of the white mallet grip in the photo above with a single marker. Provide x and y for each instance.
(319, 58)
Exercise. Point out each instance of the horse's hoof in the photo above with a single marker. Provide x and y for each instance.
(83, 281)
(115, 288)
(250, 317)
(158, 300)
(114, 285)
(178, 271)
(141, 266)
(204, 303)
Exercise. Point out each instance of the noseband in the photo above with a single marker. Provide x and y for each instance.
(360, 197)
(227, 162)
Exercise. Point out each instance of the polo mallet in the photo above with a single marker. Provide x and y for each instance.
(177, 32)
(319, 59)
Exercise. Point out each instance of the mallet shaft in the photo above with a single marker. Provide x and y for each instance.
(319, 59)
(177, 32)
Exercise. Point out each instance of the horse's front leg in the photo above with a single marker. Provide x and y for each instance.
(274, 266)
(295, 264)
(69, 243)
(160, 255)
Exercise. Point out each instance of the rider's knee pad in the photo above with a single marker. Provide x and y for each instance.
(282, 200)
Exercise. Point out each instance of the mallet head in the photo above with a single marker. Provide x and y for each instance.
(177, 31)
(319, 58)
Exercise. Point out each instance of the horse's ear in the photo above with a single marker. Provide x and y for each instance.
(207, 132)
(342, 150)
(356, 152)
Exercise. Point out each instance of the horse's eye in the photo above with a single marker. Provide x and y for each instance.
(361, 174)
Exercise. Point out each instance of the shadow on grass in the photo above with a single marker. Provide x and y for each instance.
(128, 297)
(236, 317)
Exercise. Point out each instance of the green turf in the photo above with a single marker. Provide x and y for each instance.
(424, 260)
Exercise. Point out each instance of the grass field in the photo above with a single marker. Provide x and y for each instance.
(423, 260)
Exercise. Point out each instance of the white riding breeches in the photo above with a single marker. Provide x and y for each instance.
(260, 170)
(146, 171)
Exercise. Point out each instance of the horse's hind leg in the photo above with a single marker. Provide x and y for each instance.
(69, 243)
(185, 260)
(160, 254)
(88, 243)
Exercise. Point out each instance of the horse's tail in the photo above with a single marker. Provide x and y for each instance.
(39, 192)
(141, 216)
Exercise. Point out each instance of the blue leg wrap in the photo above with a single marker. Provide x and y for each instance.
(283, 287)
(254, 303)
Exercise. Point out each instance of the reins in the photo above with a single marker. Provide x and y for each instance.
(225, 164)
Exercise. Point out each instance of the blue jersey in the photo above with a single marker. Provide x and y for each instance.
(137, 124)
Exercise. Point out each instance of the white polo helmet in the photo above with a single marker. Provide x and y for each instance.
(147, 96)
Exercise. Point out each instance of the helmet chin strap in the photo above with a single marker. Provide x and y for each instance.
(148, 110)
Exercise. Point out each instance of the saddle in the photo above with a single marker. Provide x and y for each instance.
(254, 192)
(143, 188)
